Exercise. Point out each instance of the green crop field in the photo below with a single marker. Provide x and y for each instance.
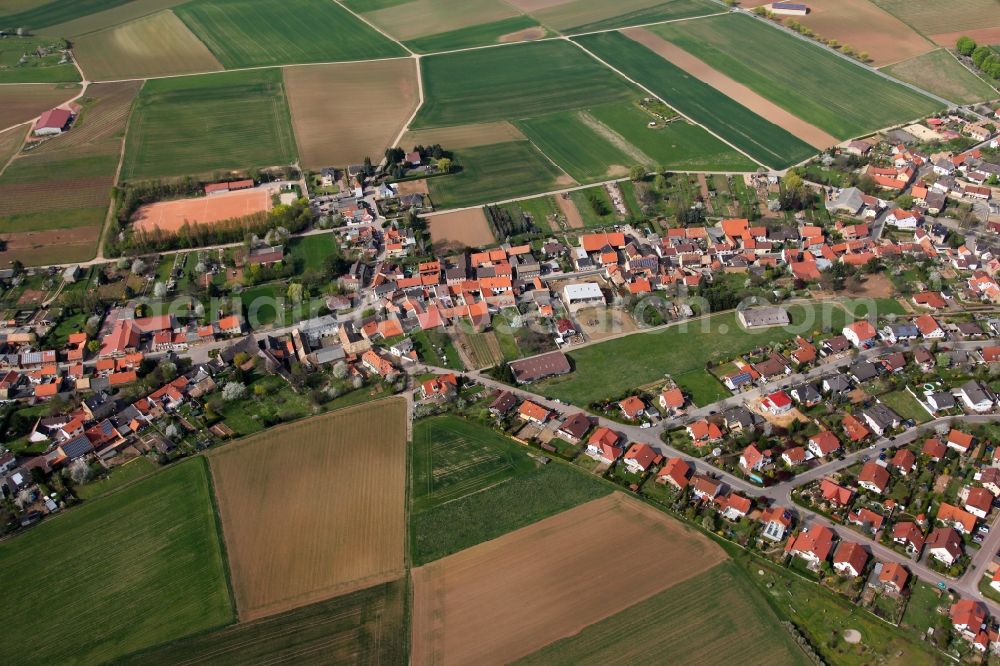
(121, 573)
(717, 616)
(452, 458)
(198, 124)
(365, 627)
(825, 94)
(735, 123)
(590, 15)
(938, 72)
(573, 144)
(602, 142)
(476, 35)
(611, 368)
(494, 173)
(512, 82)
(55, 11)
(247, 33)
(521, 501)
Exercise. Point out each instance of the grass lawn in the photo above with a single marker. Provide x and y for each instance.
(240, 119)
(523, 500)
(361, 627)
(475, 35)
(116, 478)
(921, 610)
(261, 304)
(878, 307)
(824, 93)
(74, 323)
(495, 173)
(278, 402)
(513, 82)
(717, 616)
(938, 72)
(125, 572)
(613, 367)
(538, 208)
(452, 458)
(251, 33)
(595, 206)
(905, 405)
(759, 138)
(427, 344)
(312, 250)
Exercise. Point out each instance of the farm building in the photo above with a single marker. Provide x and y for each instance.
(789, 8)
(763, 317)
(52, 122)
(538, 367)
(584, 294)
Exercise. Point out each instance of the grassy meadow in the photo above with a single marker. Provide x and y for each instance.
(249, 33)
(589, 15)
(493, 173)
(512, 82)
(121, 573)
(759, 138)
(198, 124)
(44, 69)
(938, 72)
(38, 15)
(825, 93)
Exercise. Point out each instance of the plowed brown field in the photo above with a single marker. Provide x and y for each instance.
(506, 598)
(346, 112)
(314, 509)
(23, 101)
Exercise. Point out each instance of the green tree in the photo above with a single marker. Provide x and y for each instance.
(294, 292)
(981, 54)
(905, 201)
(445, 165)
(636, 173)
(965, 45)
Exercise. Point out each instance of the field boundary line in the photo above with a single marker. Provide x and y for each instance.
(103, 236)
(372, 26)
(969, 69)
(654, 95)
(20, 145)
(420, 101)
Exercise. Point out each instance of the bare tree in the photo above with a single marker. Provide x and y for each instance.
(79, 471)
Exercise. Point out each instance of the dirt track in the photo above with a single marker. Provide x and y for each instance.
(765, 108)
(506, 598)
(568, 207)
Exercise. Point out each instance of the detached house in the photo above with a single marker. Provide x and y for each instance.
(753, 459)
(530, 411)
(705, 487)
(881, 419)
(603, 446)
(945, 545)
(861, 334)
(909, 535)
(823, 444)
(850, 559)
(632, 407)
(978, 502)
(893, 577)
(640, 457)
(676, 473)
(835, 494)
(929, 327)
(704, 432)
(934, 449)
(960, 441)
(976, 397)
(814, 544)
(952, 516)
(873, 477)
(968, 617)
(776, 521)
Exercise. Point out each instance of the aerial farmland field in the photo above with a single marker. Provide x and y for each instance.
(197, 124)
(40, 14)
(603, 142)
(935, 18)
(463, 136)
(160, 574)
(364, 627)
(53, 200)
(23, 102)
(938, 72)
(760, 139)
(414, 19)
(49, 68)
(155, 45)
(459, 229)
(515, 29)
(346, 112)
(825, 94)
(514, 82)
(247, 33)
(114, 14)
(588, 15)
(688, 613)
(538, 590)
(494, 173)
(339, 524)
(452, 458)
